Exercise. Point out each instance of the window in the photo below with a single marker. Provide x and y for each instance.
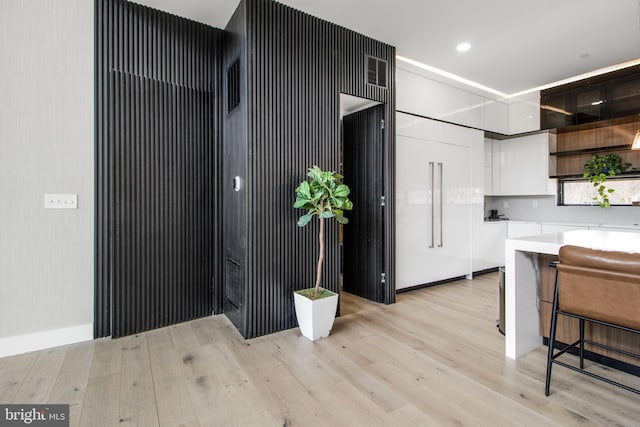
(582, 192)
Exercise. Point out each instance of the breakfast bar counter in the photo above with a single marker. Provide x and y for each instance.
(522, 319)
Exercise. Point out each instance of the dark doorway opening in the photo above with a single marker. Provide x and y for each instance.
(363, 137)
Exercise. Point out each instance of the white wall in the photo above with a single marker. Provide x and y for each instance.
(46, 146)
(543, 208)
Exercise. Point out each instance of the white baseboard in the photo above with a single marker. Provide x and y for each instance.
(46, 339)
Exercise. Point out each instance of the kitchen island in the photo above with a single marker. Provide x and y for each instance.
(522, 318)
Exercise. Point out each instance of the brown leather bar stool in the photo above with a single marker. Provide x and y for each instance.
(596, 286)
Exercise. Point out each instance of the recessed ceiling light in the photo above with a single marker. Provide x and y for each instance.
(463, 47)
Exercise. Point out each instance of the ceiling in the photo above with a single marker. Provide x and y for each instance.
(516, 44)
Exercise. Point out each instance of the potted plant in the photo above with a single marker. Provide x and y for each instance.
(323, 196)
(598, 169)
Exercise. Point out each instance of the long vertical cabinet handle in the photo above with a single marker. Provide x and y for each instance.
(441, 191)
(433, 199)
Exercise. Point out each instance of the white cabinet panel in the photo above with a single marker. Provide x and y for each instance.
(488, 167)
(517, 229)
(420, 95)
(559, 228)
(488, 245)
(614, 228)
(434, 130)
(433, 208)
(496, 117)
(521, 166)
(524, 115)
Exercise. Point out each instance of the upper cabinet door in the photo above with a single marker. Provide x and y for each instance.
(624, 96)
(556, 110)
(607, 96)
(524, 166)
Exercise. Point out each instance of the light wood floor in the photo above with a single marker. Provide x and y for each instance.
(434, 358)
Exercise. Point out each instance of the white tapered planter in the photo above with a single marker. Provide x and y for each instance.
(315, 317)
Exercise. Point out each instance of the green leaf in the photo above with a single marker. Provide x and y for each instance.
(348, 205)
(304, 189)
(300, 202)
(342, 220)
(304, 219)
(341, 191)
(327, 214)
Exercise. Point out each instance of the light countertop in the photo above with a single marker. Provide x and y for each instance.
(594, 239)
(521, 295)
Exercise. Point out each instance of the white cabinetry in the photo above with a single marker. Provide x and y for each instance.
(559, 228)
(488, 245)
(523, 229)
(524, 114)
(520, 166)
(632, 229)
(433, 200)
(420, 94)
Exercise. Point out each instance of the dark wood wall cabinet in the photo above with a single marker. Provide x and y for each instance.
(607, 96)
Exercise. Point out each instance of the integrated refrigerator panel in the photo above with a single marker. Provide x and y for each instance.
(433, 199)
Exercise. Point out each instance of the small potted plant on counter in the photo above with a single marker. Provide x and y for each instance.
(323, 196)
(598, 169)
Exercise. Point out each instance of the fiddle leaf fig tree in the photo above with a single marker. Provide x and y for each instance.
(324, 196)
(598, 169)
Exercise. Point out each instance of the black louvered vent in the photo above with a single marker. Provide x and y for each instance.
(376, 71)
(233, 283)
(233, 86)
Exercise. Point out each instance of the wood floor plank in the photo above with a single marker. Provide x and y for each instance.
(138, 405)
(206, 393)
(242, 397)
(434, 358)
(173, 402)
(71, 384)
(13, 374)
(287, 399)
(41, 378)
(101, 406)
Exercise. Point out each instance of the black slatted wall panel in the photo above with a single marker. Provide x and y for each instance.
(234, 222)
(297, 68)
(157, 168)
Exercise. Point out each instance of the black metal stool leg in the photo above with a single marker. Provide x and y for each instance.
(552, 337)
(581, 343)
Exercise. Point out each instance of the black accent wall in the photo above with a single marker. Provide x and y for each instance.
(158, 134)
(295, 67)
(201, 138)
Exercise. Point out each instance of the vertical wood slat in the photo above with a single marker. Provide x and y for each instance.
(157, 162)
(297, 68)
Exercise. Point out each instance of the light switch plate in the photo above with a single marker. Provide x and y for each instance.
(61, 201)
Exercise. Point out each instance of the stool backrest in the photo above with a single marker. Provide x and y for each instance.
(602, 285)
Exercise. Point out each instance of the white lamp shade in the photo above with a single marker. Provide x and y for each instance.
(636, 141)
